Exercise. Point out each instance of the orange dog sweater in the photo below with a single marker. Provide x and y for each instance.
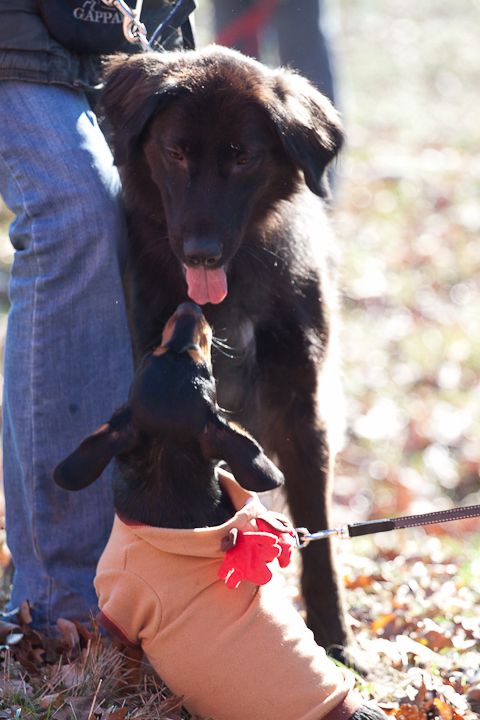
(231, 654)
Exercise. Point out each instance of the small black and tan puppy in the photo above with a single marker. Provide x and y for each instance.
(167, 438)
(231, 650)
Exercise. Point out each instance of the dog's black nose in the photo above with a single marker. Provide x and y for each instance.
(184, 335)
(188, 308)
(202, 252)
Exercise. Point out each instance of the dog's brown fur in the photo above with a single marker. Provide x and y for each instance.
(223, 163)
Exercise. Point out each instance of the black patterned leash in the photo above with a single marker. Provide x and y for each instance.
(370, 527)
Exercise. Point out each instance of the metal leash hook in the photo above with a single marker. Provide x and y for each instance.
(304, 537)
(133, 29)
(370, 527)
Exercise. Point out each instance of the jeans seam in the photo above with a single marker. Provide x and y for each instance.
(34, 398)
(50, 581)
(18, 183)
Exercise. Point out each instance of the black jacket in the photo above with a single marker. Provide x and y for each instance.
(29, 52)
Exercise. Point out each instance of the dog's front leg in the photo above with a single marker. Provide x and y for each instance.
(301, 445)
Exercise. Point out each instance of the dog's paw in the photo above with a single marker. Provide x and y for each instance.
(368, 712)
(352, 657)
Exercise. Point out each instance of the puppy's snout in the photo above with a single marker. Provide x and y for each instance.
(189, 308)
(202, 252)
(187, 331)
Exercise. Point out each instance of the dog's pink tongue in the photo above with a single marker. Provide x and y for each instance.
(206, 286)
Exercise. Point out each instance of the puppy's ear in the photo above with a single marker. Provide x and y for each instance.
(246, 459)
(136, 87)
(308, 126)
(89, 460)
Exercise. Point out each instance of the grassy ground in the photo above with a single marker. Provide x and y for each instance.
(408, 217)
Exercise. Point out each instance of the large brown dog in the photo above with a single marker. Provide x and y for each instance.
(223, 163)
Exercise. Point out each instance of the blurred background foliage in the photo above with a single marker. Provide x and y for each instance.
(407, 215)
(408, 219)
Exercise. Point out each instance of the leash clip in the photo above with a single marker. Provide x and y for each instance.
(304, 537)
(134, 30)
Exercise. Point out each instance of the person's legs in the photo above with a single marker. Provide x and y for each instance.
(228, 13)
(303, 43)
(68, 357)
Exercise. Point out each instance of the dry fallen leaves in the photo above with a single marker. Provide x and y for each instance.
(418, 625)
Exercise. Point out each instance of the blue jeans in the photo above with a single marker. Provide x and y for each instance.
(68, 358)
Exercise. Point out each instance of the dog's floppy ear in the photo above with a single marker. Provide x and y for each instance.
(89, 460)
(136, 87)
(308, 126)
(246, 459)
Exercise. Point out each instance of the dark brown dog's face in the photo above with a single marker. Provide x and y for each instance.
(215, 161)
(220, 138)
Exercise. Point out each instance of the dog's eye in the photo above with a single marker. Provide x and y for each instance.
(176, 154)
(242, 159)
(238, 155)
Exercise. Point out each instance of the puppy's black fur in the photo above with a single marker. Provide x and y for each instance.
(223, 164)
(167, 439)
